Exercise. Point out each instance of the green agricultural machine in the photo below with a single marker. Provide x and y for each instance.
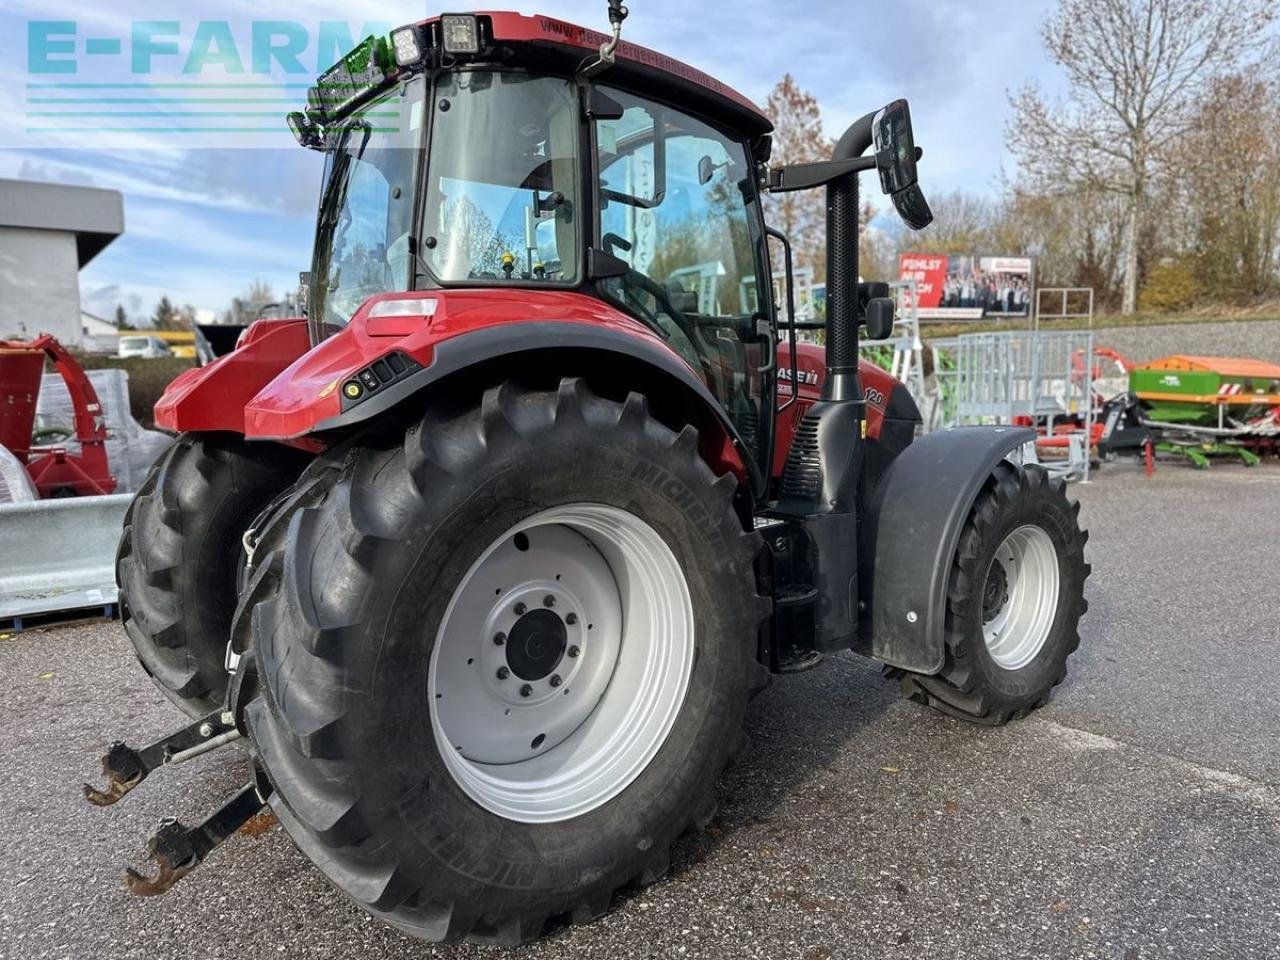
(1210, 406)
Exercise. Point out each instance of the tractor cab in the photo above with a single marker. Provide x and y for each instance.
(486, 152)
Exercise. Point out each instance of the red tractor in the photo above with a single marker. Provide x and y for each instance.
(485, 556)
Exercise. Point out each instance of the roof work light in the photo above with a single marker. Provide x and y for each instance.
(460, 32)
(408, 50)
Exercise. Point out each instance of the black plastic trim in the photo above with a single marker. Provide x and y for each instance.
(381, 374)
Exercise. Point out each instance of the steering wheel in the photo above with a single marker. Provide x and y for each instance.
(658, 292)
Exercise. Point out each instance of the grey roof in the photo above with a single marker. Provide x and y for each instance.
(94, 215)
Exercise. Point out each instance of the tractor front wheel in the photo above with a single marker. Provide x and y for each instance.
(506, 661)
(1015, 597)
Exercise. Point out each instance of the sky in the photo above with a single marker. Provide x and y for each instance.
(203, 221)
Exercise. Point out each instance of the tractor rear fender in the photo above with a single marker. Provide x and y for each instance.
(545, 351)
(213, 397)
(909, 535)
(401, 350)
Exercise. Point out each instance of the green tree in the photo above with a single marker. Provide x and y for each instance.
(1229, 194)
(165, 315)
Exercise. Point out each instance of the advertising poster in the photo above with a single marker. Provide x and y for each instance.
(953, 287)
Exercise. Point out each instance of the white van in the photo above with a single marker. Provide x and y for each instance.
(143, 346)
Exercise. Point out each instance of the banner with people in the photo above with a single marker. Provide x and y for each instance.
(969, 287)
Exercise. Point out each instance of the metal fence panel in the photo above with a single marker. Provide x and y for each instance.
(1016, 375)
(59, 554)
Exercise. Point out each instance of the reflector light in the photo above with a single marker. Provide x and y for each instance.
(404, 308)
(461, 33)
(405, 41)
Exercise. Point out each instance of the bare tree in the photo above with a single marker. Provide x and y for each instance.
(962, 223)
(798, 138)
(1229, 198)
(259, 292)
(1136, 69)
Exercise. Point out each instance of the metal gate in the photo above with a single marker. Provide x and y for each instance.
(1019, 376)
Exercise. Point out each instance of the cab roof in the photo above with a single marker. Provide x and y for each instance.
(639, 65)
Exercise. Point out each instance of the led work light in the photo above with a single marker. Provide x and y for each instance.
(407, 49)
(461, 33)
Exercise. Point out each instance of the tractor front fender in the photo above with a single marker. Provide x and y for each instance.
(909, 536)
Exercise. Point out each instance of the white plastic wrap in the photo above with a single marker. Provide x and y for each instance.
(15, 482)
(131, 450)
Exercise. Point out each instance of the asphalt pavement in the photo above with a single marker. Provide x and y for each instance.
(1137, 816)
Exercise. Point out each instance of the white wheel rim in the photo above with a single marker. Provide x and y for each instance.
(1020, 597)
(596, 654)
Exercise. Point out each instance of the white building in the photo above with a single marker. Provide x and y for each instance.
(99, 336)
(48, 233)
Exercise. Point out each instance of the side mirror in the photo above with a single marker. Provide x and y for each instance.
(896, 157)
(601, 106)
(879, 318)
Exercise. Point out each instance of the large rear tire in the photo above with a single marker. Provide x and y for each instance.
(179, 554)
(1014, 601)
(506, 662)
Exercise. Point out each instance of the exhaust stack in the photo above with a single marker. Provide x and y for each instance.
(843, 307)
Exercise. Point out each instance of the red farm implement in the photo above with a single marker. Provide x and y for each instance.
(55, 470)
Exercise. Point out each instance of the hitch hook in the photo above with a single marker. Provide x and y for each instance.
(176, 849)
(125, 767)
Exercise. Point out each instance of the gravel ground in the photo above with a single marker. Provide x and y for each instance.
(1137, 816)
(1259, 339)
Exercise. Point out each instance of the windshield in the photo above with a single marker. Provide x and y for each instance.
(366, 209)
(502, 179)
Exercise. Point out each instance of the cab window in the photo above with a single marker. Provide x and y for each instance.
(677, 205)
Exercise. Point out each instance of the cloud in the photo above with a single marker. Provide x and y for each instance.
(202, 223)
(284, 181)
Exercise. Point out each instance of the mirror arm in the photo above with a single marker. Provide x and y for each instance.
(806, 176)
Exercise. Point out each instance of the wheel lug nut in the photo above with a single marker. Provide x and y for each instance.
(499, 639)
(549, 601)
(555, 680)
(503, 673)
(520, 609)
(571, 619)
(526, 691)
(574, 651)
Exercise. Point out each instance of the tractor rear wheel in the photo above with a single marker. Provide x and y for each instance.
(506, 662)
(180, 552)
(1014, 601)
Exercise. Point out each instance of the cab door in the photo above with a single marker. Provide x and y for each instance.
(678, 204)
